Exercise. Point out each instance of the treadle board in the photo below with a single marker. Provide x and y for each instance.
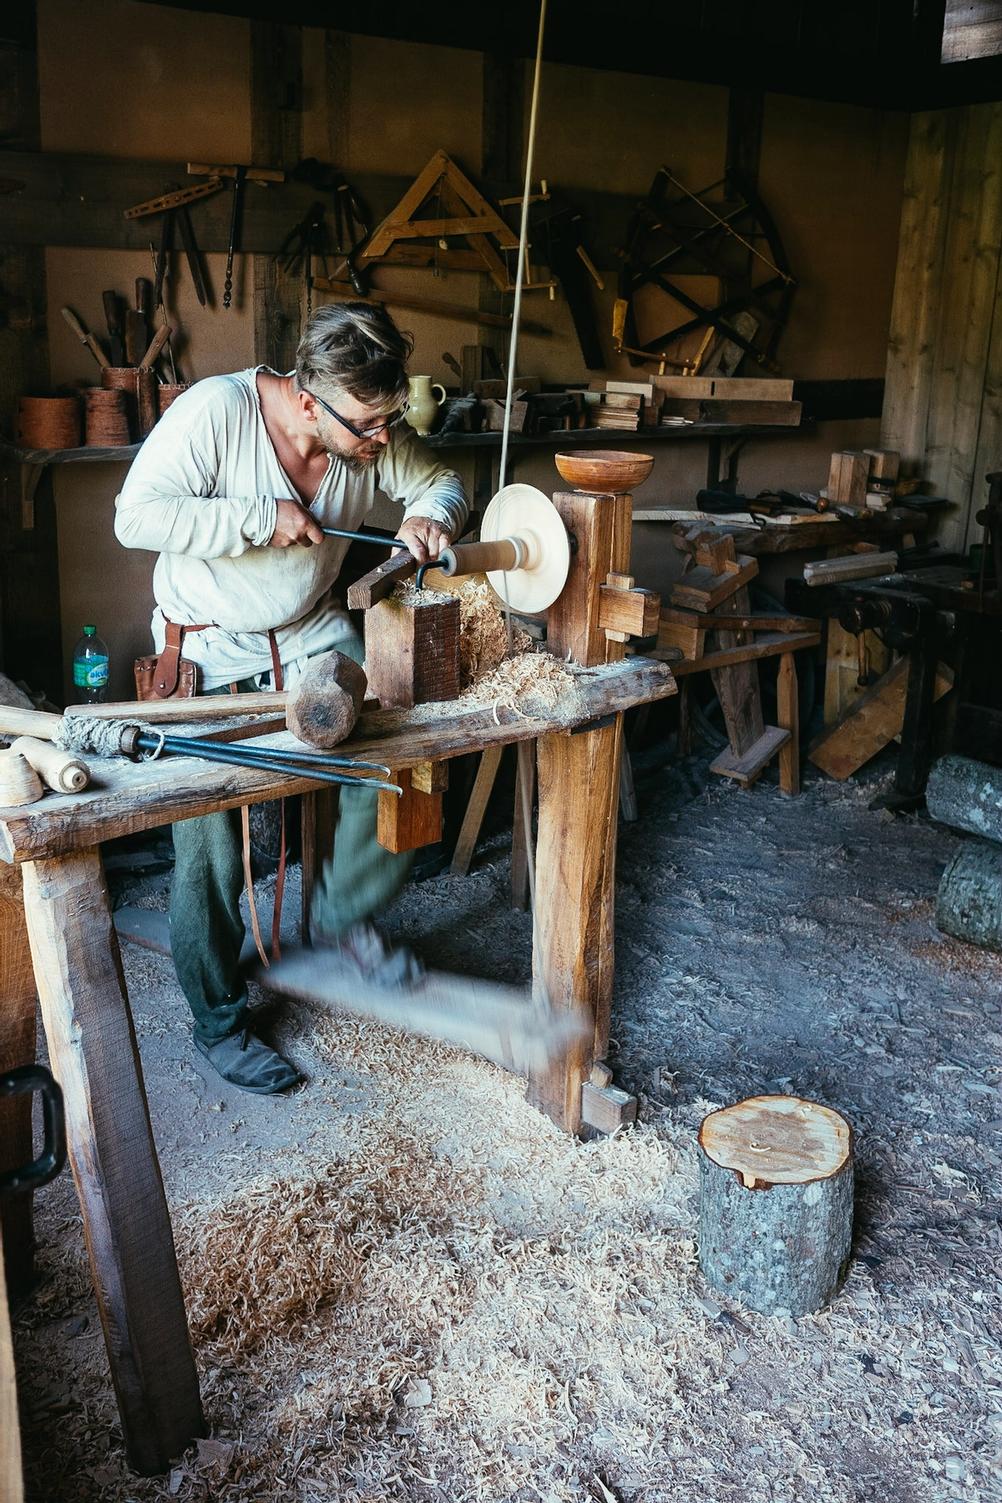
(746, 768)
(499, 1022)
(150, 929)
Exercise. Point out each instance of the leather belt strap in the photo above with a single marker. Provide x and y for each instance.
(278, 683)
(168, 663)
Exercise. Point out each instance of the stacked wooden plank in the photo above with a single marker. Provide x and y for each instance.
(728, 399)
(625, 405)
(863, 477)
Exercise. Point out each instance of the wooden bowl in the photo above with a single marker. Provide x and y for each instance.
(604, 469)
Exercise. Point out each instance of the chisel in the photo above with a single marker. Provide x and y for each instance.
(85, 338)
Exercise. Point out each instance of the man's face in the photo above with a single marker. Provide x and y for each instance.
(358, 453)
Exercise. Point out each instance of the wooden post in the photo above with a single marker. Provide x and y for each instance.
(572, 948)
(17, 1047)
(788, 715)
(92, 1047)
(276, 88)
(483, 787)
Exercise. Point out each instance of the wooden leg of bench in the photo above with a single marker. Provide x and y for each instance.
(572, 949)
(17, 1047)
(92, 1048)
(317, 827)
(469, 833)
(788, 715)
(521, 826)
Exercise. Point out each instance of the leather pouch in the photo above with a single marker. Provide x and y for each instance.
(168, 675)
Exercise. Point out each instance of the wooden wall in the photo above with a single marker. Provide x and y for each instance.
(943, 400)
(180, 84)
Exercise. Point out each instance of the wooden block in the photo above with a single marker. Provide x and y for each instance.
(744, 769)
(868, 725)
(689, 639)
(702, 590)
(607, 1109)
(412, 651)
(627, 610)
(573, 629)
(848, 476)
(430, 777)
(601, 1075)
(884, 464)
(407, 822)
(726, 388)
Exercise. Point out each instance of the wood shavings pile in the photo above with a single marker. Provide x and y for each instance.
(483, 636)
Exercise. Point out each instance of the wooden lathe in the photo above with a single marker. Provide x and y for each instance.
(57, 937)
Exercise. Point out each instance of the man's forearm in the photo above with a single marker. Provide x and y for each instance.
(199, 526)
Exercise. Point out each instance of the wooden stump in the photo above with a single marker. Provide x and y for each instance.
(969, 901)
(776, 1195)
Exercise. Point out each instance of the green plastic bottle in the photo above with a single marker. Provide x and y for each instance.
(90, 668)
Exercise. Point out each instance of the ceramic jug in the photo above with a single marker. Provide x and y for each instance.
(423, 404)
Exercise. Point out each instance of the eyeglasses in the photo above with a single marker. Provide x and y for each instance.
(387, 423)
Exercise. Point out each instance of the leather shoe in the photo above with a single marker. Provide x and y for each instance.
(246, 1062)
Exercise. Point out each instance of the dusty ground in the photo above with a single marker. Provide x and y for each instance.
(404, 1284)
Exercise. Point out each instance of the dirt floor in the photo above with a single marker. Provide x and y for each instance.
(404, 1283)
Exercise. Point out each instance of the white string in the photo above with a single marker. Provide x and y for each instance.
(523, 240)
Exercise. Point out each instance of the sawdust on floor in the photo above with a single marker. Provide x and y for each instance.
(405, 1284)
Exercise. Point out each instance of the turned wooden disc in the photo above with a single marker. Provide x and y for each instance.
(524, 512)
(777, 1140)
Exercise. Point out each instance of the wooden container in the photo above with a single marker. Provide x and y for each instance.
(107, 421)
(48, 422)
(169, 393)
(604, 470)
(140, 388)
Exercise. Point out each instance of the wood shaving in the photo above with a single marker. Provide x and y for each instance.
(483, 636)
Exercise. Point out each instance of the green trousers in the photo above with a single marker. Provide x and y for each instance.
(207, 929)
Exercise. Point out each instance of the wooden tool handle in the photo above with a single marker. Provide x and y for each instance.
(112, 312)
(59, 770)
(40, 723)
(144, 296)
(84, 337)
(157, 343)
(478, 558)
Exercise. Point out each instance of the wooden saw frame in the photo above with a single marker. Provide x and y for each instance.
(441, 206)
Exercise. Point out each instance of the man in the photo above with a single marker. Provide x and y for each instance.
(232, 489)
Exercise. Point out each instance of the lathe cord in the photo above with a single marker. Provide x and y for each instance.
(523, 240)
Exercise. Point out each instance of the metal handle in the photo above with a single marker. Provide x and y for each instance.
(27, 1079)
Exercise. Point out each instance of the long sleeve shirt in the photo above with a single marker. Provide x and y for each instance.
(203, 493)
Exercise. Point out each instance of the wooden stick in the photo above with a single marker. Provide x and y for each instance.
(855, 566)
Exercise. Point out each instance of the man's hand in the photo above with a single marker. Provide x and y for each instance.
(424, 537)
(294, 524)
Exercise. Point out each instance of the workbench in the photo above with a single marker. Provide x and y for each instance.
(85, 1007)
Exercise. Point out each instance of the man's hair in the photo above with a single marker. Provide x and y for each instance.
(357, 348)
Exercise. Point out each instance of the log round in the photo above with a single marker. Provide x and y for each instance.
(966, 795)
(776, 1199)
(325, 704)
(969, 901)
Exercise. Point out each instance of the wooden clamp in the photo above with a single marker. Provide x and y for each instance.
(627, 612)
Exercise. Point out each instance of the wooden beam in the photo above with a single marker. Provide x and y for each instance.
(769, 645)
(17, 1047)
(276, 138)
(578, 802)
(93, 1054)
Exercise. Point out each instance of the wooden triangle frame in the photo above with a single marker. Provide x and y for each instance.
(472, 218)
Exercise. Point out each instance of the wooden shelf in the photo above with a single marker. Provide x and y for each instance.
(90, 453)
(611, 438)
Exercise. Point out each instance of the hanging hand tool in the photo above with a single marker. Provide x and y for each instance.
(183, 219)
(175, 199)
(85, 337)
(351, 230)
(113, 319)
(305, 247)
(137, 334)
(239, 175)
